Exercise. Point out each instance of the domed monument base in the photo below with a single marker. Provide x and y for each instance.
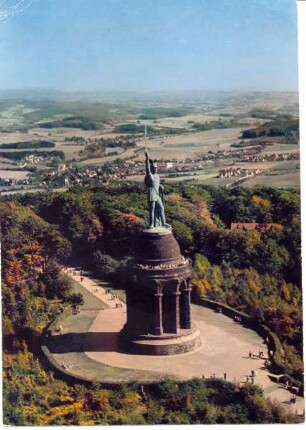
(158, 299)
(166, 344)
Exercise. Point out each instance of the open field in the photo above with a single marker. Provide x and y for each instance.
(209, 174)
(270, 165)
(278, 147)
(238, 103)
(192, 144)
(125, 154)
(14, 174)
(71, 151)
(286, 180)
(5, 163)
(173, 111)
(14, 115)
(58, 135)
(253, 122)
(186, 121)
(183, 121)
(62, 132)
(19, 137)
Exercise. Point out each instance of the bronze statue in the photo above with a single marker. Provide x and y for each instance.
(155, 195)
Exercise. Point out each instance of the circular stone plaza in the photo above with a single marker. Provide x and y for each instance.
(86, 345)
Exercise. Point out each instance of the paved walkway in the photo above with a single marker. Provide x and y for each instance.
(225, 347)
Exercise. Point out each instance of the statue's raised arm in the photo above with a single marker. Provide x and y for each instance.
(148, 171)
(155, 200)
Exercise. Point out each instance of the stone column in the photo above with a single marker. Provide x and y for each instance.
(129, 322)
(158, 314)
(132, 311)
(176, 312)
(186, 308)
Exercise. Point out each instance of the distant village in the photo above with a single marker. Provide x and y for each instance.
(70, 174)
(238, 171)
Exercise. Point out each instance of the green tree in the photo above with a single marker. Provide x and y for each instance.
(105, 265)
(76, 299)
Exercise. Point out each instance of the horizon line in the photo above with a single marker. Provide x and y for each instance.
(132, 90)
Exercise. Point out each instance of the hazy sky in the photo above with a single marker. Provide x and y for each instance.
(148, 44)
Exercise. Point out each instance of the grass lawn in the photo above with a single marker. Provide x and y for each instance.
(84, 367)
(69, 346)
(91, 302)
(120, 293)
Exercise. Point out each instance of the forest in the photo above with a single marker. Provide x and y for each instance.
(279, 127)
(212, 125)
(28, 145)
(257, 272)
(153, 113)
(71, 122)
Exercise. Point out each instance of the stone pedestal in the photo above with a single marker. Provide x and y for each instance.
(158, 299)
